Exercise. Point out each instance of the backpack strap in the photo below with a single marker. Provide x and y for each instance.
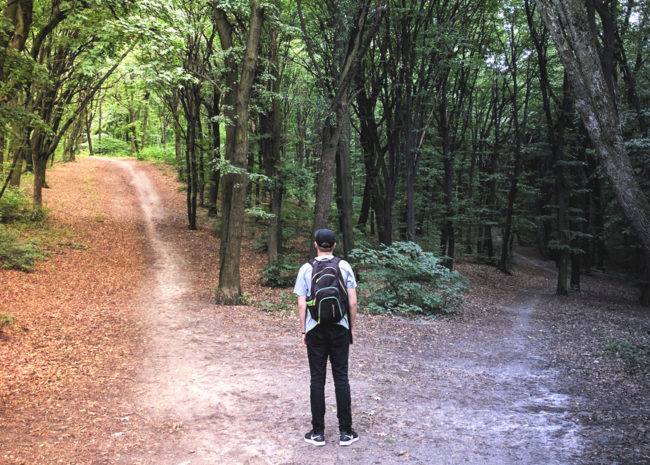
(313, 262)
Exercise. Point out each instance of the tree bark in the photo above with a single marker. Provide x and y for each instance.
(576, 44)
(18, 13)
(89, 123)
(145, 120)
(344, 187)
(358, 43)
(272, 163)
(229, 290)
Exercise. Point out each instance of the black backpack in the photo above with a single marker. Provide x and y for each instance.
(328, 300)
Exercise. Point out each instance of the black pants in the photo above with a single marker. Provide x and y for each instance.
(334, 342)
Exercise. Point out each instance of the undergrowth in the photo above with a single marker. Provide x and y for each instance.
(402, 278)
(635, 355)
(5, 320)
(16, 214)
(282, 274)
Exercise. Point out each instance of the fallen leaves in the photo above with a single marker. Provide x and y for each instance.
(74, 323)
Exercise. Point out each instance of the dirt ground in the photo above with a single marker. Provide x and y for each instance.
(119, 355)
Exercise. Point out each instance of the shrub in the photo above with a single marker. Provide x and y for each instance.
(20, 255)
(165, 153)
(110, 146)
(635, 355)
(282, 274)
(14, 206)
(285, 303)
(403, 278)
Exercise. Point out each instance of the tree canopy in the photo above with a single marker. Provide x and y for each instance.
(463, 126)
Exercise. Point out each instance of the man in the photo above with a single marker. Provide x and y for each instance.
(328, 340)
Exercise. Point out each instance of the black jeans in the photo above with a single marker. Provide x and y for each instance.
(331, 341)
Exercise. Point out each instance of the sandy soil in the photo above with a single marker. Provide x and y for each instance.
(518, 377)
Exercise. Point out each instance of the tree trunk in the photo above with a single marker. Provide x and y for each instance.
(344, 187)
(40, 165)
(133, 118)
(229, 290)
(272, 164)
(17, 14)
(516, 172)
(190, 166)
(178, 148)
(89, 136)
(354, 51)
(215, 175)
(99, 125)
(200, 158)
(447, 240)
(145, 120)
(3, 149)
(576, 43)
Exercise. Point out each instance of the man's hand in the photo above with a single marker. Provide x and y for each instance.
(304, 340)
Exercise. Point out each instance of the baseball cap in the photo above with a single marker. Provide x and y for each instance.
(324, 238)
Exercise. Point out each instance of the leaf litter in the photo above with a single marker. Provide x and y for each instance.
(517, 377)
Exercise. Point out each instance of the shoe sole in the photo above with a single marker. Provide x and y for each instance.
(348, 442)
(314, 443)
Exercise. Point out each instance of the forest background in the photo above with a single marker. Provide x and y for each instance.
(462, 126)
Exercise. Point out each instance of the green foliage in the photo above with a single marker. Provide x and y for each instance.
(282, 274)
(403, 278)
(111, 146)
(17, 254)
(285, 304)
(259, 213)
(244, 299)
(14, 206)
(162, 153)
(636, 355)
(5, 320)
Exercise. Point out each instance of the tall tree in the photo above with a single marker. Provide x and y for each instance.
(239, 84)
(336, 84)
(576, 42)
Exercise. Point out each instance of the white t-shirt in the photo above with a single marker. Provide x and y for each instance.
(303, 287)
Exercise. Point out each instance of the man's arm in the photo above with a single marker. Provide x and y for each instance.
(302, 311)
(352, 303)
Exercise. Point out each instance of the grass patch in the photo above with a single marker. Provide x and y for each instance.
(6, 320)
(286, 303)
(16, 253)
(17, 215)
(635, 355)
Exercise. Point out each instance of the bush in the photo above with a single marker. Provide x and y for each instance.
(16, 254)
(282, 274)
(14, 206)
(636, 355)
(403, 278)
(110, 146)
(165, 153)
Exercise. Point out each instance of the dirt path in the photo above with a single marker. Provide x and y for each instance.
(517, 378)
(229, 387)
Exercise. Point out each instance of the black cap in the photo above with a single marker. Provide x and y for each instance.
(324, 238)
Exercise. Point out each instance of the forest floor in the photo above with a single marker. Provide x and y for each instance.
(118, 355)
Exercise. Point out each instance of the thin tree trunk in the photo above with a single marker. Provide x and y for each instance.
(344, 187)
(89, 136)
(145, 120)
(274, 243)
